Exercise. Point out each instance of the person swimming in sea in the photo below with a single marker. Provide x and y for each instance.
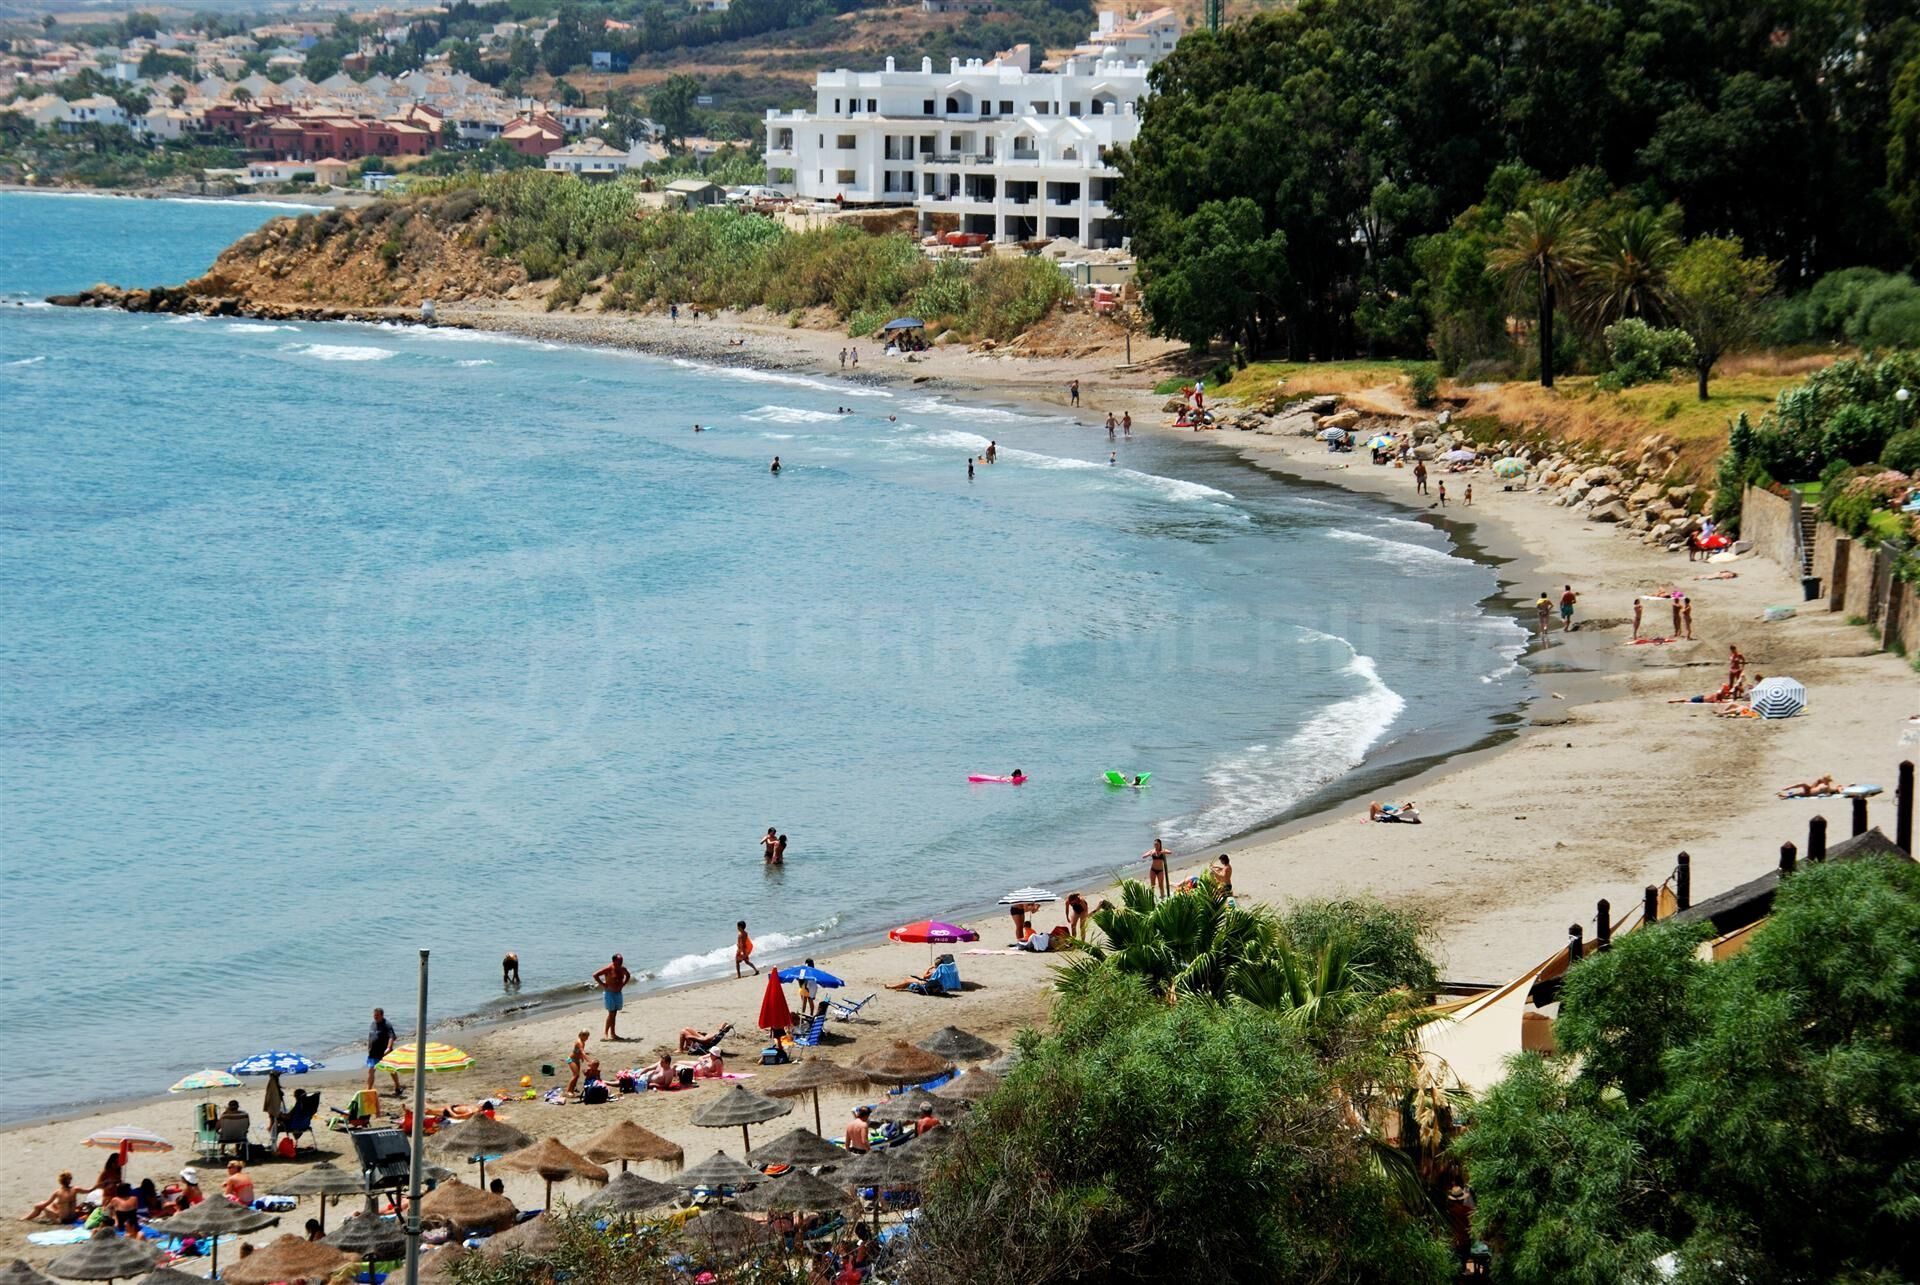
(775, 470)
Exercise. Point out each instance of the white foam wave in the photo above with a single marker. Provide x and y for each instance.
(26, 361)
(341, 352)
(474, 361)
(457, 335)
(955, 438)
(752, 375)
(1399, 552)
(172, 200)
(940, 406)
(185, 318)
(31, 303)
(1263, 781)
(792, 415)
(256, 328)
(1171, 488)
(764, 946)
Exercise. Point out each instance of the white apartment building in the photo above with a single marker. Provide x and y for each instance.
(1146, 37)
(981, 147)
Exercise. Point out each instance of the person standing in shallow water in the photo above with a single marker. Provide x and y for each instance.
(775, 469)
(770, 845)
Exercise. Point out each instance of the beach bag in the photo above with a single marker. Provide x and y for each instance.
(594, 1094)
(285, 1148)
(685, 1075)
(628, 1084)
(774, 1055)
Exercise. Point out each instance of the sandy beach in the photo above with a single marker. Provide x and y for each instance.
(1591, 796)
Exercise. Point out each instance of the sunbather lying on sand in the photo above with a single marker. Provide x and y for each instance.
(694, 1041)
(1818, 788)
(1727, 692)
(1401, 812)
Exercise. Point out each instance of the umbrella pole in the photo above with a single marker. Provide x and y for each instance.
(549, 1193)
(746, 1143)
(323, 1215)
(818, 1132)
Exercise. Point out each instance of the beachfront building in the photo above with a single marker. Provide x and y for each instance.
(590, 158)
(983, 147)
(1144, 38)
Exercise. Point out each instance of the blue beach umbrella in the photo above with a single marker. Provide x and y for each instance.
(807, 973)
(276, 1060)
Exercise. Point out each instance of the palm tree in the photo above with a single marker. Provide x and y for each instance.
(1628, 273)
(1188, 944)
(1541, 254)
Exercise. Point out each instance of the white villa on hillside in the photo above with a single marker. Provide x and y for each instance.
(988, 148)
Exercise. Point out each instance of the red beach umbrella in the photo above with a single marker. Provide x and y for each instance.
(934, 933)
(774, 1013)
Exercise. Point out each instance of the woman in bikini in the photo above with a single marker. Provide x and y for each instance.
(575, 1060)
(1156, 860)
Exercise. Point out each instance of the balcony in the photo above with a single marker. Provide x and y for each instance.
(1026, 154)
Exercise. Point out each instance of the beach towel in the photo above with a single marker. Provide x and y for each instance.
(984, 951)
(60, 1236)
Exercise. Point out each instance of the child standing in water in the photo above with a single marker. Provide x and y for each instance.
(743, 950)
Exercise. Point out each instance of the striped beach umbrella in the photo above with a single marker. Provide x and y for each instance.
(271, 1060)
(128, 1139)
(1029, 897)
(1509, 468)
(201, 1081)
(933, 932)
(1382, 442)
(1779, 698)
(1459, 455)
(440, 1057)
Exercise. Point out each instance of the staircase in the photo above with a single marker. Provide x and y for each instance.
(1809, 523)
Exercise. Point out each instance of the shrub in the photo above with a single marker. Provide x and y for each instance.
(1857, 433)
(1424, 383)
(1903, 452)
(1858, 497)
(1641, 354)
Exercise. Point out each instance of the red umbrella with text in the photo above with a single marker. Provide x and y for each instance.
(775, 1015)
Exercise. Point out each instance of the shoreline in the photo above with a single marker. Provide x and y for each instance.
(1606, 783)
(329, 199)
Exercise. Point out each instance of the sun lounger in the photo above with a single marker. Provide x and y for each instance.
(846, 1010)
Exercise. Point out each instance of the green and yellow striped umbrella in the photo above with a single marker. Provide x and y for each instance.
(210, 1078)
(440, 1057)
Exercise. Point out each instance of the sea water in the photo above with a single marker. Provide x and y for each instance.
(323, 643)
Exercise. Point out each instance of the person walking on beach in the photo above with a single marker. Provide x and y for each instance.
(1077, 915)
(380, 1041)
(769, 845)
(613, 980)
(673, 312)
(743, 950)
(1443, 493)
(1073, 392)
(1567, 598)
(1467, 499)
(1543, 607)
(1156, 858)
(843, 359)
(853, 356)
(1126, 424)
(1736, 666)
(1420, 477)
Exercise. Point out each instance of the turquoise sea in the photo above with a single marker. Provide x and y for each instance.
(323, 643)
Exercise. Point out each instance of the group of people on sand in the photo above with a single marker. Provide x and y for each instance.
(117, 1202)
(709, 1063)
(1543, 610)
(1679, 603)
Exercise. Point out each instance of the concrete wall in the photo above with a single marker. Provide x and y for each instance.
(1772, 523)
(1826, 540)
(1859, 581)
(1857, 576)
(1901, 626)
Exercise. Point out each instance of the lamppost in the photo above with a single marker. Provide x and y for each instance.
(1904, 396)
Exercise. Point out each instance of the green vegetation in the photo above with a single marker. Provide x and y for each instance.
(1642, 354)
(101, 157)
(1389, 146)
(1861, 306)
(649, 1254)
(1754, 1117)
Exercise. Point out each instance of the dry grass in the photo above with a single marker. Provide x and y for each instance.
(1379, 384)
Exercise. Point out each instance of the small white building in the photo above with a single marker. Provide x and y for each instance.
(986, 148)
(1145, 37)
(590, 158)
(96, 109)
(165, 124)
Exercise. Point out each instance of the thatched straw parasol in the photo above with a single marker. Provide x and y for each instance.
(970, 1086)
(629, 1193)
(535, 1238)
(905, 1108)
(812, 1076)
(797, 1147)
(956, 1045)
(902, 1063)
(369, 1236)
(436, 1268)
(554, 1161)
(628, 1142)
(20, 1272)
(468, 1208)
(291, 1258)
(167, 1276)
(740, 1106)
(801, 1192)
(322, 1180)
(715, 1172)
(1005, 1063)
(212, 1219)
(723, 1232)
(481, 1138)
(105, 1258)
(883, 1171)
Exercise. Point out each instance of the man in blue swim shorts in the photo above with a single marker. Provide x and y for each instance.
(612, 980)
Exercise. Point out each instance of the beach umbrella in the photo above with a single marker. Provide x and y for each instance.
(723, 1232)
(956, 1045)
(1005, 1062)
(933, 932)
(902, 1063)
(774, 1013)
(717, 1173)
(1778, 697)
(629, 1193)
(554, 1161)
(481, 1138)
(369, 1237)
(1028, 897)
(205, 1081)
(106, 1257)
(1332, 434)
(1716, 541)
(970, 1086)
(322, 1180)
(628, 1141)
(1382, 441)
(1509, 468)
(904, 323)
(440, 1057)
(1460, 455)
(800, 1192)
(467, 1208)
(211, 1219)
(808, 973)
(128, 1140)
(291, 1258)
(436, 1267)
(271, 1060)
(20, 1272)
(535, 1238)
(905, 1108)
(812, 1076)
(740, 1106)
(165, 1276)
(882, 1171)
(797, 1147)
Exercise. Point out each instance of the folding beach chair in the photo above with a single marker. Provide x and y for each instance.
(810, 1038)
(846, 1009)
(297, 1121)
